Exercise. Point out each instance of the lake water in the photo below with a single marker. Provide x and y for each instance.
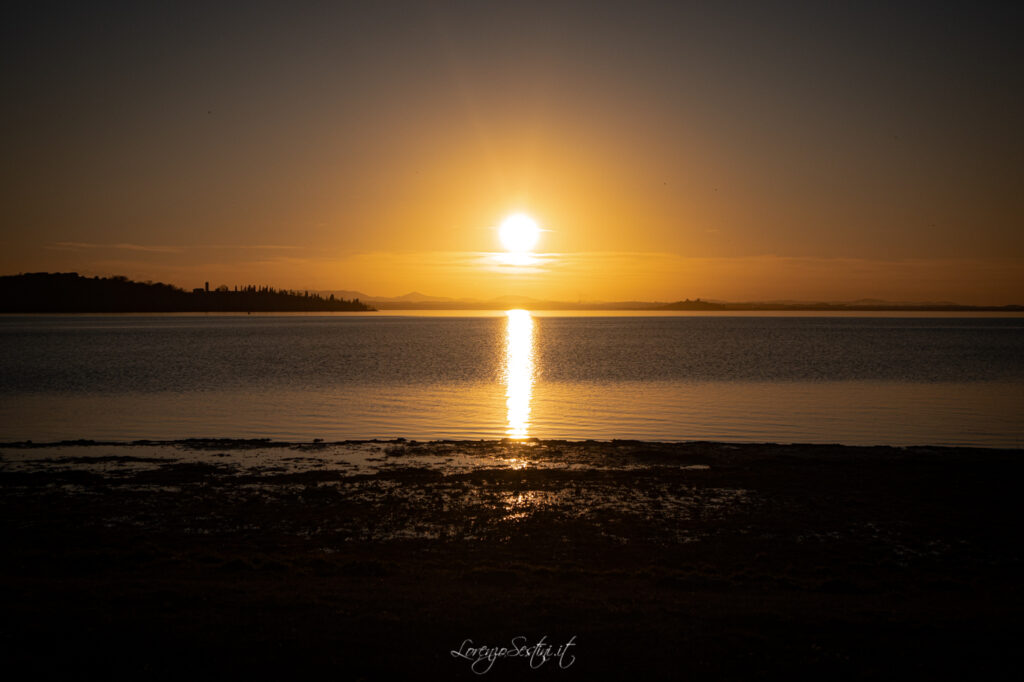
(834, 379)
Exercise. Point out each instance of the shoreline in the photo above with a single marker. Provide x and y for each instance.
(363, 559)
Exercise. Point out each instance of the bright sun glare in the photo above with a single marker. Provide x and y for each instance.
(519, 233)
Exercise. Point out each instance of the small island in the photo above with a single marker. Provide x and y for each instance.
(44, 292)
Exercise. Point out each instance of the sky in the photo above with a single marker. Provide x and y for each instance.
(730, 151)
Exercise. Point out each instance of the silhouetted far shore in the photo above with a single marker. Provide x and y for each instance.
(71, 293)
(44, 292)
(695, 306)
(852, 307)
(417, 301)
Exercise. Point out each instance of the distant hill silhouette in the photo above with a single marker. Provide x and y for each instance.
(44, 292)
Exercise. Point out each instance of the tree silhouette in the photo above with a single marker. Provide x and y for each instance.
(43, 292)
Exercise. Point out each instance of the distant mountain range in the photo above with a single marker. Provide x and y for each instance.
(412, 297)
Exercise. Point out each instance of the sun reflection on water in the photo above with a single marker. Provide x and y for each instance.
(518, 371)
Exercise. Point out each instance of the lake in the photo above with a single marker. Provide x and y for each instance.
(886, 380)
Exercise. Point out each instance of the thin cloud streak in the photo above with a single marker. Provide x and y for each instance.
(255, 247)
(159, 248)
(77, 246)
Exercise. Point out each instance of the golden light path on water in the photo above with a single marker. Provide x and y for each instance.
(519, 372)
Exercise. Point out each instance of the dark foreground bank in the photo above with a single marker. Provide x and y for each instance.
(228, 559)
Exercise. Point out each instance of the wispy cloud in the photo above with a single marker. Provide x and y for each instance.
(255, 247)
(160, 248)
(78, 246)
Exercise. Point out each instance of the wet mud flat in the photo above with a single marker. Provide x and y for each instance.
(365, 560)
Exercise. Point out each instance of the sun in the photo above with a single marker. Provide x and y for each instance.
(519, 233)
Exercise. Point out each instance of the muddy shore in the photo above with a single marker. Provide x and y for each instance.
(364, 560)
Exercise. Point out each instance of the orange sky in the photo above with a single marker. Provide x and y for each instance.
(769, 153)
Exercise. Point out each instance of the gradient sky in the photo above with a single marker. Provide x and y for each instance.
(739, 151)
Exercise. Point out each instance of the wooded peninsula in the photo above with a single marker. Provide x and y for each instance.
(44, 292)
